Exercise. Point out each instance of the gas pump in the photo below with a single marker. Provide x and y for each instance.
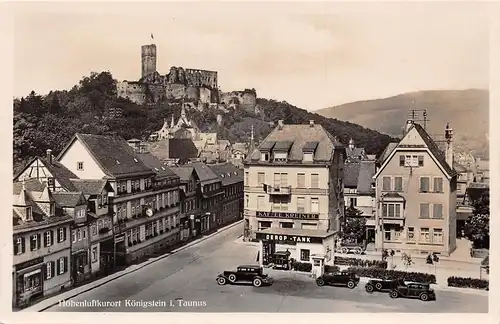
(268, 249)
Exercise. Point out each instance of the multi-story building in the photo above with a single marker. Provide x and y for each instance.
(416, 190)
(137, 212)
(75, 205)
(233, 188)
(190, 206)
(41, 240)
(294, 184)
(100, 223)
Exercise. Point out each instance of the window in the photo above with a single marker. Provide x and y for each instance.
(424, 184)
(437, 236)
(35, 242)
(264, 157)
(246, 201)
(286, 225)
(420, 160)
(61, 266)
(424, 210)
(411, 234)
(280, 203)
(353, 202)
(387, 235)
(80, 213)
(425, 236)
(309, 226)
(438, 184)
(264, 225)
(261, 178)
(398, 184)
(314, 180)
(301, 205)
(79, 166)
(301, 180)
(386, 184)
(260, 203)
(246, 178)
(73, 234)
(48, 238)
(84, 233)
(19, 246)
(304, 255)
(308, 157)
(437, 211)
(402, 160)
(49, 270)
(314, 205)
(79, 234)
(397, 235)
(392, 210)
(52, 209)
(29, 213)
(94, 254)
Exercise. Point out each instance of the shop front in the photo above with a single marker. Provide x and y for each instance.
(28, 281)
(301, 245)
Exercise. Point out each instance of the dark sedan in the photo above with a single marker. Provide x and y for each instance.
(381, 285)
(341, 278)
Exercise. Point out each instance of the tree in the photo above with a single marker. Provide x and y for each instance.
(477, 227)
(353, 225)
(55, 106)
(407, 260)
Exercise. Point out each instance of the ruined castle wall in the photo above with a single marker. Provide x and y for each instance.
(175, 91)
(198, 78)
(134, 91)
(193, 93)
(245, 99)
(156, 92)
(205, 95)
(248, 100)
(148, 56)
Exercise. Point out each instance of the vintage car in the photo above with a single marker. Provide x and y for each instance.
(280, 260)
(415, 290)
(341, 278)
(245, 274)
(382, 285)
(350, 247)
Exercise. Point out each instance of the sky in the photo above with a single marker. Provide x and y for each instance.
(313, 55)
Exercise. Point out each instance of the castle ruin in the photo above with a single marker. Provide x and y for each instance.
(194, 85)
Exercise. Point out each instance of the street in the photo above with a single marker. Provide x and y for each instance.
(185, 282)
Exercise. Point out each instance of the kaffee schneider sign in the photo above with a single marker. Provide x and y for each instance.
(286, 215)
(289, 238)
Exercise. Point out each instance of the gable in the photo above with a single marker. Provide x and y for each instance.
(412, 138)
(36, 169)
(77, 152)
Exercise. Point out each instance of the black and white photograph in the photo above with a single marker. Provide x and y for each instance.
(251, 157)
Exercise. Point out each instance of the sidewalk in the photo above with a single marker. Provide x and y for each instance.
(49, 302)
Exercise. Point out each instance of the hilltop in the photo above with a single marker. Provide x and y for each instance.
(92, 106)
(467, 111)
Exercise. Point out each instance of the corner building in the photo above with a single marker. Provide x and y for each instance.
(294, 191)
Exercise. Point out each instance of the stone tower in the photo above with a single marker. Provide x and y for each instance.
(148, 55)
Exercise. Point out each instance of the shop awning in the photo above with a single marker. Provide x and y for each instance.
(32, 272)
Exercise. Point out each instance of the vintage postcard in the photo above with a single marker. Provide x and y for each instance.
(182, 158)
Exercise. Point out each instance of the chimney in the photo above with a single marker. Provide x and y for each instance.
(49, 156)
(311, 123)
(280, 123)
(409, 124)
(448, 134)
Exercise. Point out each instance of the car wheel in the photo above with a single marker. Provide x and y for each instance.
(221, 281)
(344, 250)
(232, 278)
(394, 294)
(424, 297)
(320, 282)
(351, 285)
(378, 285)
(257, 282)
(369, 288)
(357, 251)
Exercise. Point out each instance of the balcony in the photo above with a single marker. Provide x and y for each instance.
(278, 191)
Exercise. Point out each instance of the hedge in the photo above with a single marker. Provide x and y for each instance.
(393, 274)
(331, 268)
(355, 262)
(302, 266)
(474, 283)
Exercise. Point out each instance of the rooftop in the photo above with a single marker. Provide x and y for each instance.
(228, 173)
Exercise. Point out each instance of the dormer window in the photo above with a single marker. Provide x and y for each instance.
(52, 209)
(308, 157)
(264, 157)
(29, 213)
(280, 156)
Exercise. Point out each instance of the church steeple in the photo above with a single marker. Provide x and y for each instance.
(183, 112)
(172, 122)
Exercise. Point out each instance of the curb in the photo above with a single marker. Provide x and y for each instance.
(146, 263)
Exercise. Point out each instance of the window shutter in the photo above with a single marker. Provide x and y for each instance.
(52, 237)
(65, 264)
(23, 244)
(15, 247)
(32, 245)
(45, 241)
(64, 234)
(58, 266)
(39, 240)
(46, 273)
(59, 238)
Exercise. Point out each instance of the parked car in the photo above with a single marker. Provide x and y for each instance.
(245, 274)
(350, 247)
(415, 290)
(280, 260)
(382, 285)
(341, 278)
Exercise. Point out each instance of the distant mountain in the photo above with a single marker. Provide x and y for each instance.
(467, 111)
(92, 106)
